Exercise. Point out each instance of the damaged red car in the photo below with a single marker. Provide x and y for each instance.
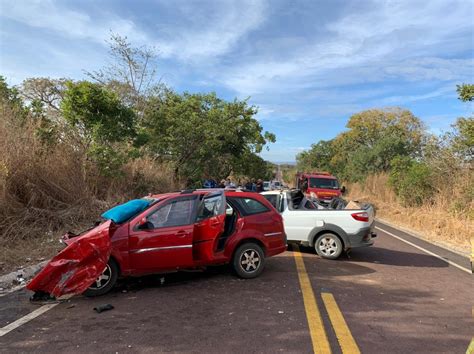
(165, 233)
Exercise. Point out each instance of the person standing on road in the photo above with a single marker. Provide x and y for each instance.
(248, 185)
(259, 186)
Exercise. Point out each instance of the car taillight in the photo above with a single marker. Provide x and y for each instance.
(361, 216)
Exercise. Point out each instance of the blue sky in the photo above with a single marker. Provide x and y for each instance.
(308, 65)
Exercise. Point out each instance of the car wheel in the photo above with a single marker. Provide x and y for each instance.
(249, 260)
(106, 281)
(328, 246)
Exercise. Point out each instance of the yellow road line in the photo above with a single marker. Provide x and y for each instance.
(470, 348)
(315, 322)
(343, 334)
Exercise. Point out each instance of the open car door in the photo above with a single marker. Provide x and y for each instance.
(209, 225)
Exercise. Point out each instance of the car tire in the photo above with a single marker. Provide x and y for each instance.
(105, 282)
(248, 261)
(328, 246)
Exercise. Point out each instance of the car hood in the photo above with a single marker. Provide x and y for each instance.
(77, 266)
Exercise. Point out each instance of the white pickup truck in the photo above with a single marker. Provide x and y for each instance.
(330, 230)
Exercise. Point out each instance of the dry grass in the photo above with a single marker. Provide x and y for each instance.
(440, 221)
(48, 190)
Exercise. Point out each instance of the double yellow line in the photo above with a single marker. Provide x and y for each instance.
(316, 327)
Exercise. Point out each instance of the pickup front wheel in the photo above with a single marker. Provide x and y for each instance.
(328, 246)
(249, 260)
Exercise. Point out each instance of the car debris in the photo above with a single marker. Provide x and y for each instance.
(42, 298)
(77, 266)
(102, 308)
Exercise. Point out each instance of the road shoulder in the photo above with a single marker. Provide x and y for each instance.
(442, 252)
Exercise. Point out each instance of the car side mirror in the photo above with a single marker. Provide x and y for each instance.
(343, 189)
(144, 224)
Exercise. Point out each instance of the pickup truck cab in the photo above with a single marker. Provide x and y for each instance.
(165, 233)
(330, 230)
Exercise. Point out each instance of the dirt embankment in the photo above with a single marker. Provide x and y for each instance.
(437, 221)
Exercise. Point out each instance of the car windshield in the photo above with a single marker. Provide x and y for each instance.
(327, 183)
(125, 211)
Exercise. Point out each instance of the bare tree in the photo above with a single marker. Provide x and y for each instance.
(132, 72)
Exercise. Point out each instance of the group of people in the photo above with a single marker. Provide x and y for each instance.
(249, 185)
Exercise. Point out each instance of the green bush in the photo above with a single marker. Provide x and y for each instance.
(411, 181)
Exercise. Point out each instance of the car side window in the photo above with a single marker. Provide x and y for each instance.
(212, 206)
(251, 206)
(176, 213)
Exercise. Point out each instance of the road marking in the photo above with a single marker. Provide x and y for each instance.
(470, 348)
(25, 319)
(315, 322)
(343, 333)
(426, 251)
(12, 290)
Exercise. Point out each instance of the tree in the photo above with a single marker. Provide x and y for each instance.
(132, 73)
(10, 97)
(374, 138)
(465, 92)
(411, 180)
(317, 158)
(45, 91)
(201, 133)
(100, 119)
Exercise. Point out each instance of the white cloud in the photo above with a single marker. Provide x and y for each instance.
(210, 33)
(448, 90)
(194, 32)
(51, 15)
(388, 40)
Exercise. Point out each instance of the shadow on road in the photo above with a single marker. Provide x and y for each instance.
(385, 256)
(396, 258)
(170, 279)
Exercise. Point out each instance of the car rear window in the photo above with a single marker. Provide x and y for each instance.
(250, 206)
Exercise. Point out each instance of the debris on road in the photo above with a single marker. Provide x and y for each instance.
(102, 308)
(42, 298)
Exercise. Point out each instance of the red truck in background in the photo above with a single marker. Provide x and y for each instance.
(321, 185)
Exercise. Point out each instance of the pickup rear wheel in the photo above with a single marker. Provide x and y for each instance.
(249, 260)
(328, 246)
(105, 282)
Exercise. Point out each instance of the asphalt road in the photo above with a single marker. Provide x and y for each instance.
(390, 298)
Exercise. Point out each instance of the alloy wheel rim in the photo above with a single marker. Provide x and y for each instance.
(328, 246)
(250, 261)
(103, 279)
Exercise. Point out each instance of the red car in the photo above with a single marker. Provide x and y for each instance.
(189, 229)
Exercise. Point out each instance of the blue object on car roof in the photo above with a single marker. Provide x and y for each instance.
(123, 212)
